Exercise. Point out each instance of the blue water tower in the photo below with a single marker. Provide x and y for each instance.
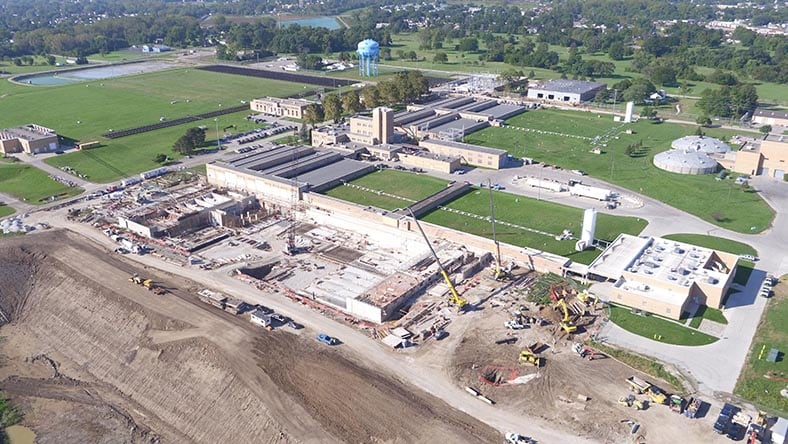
(368, 54)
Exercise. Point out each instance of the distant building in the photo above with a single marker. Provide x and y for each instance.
(430, 161)
(564, 90)
(156, 48)
(766, 157)
(31, 139)
(275, 106)
(769, 117)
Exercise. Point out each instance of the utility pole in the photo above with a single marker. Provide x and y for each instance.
(218, 142)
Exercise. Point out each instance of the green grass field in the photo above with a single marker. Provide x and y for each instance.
(648, 326)
(539, 215)
(130, 155)
(83, 111)
(645, 364)
(399, 183)
(31, 184)
(5, 210)
(772, 333)
(709, 313)
(713, 242)
(720, 202)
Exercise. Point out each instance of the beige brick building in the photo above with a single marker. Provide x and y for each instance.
(475, 155)
(664, 277)
(767, 157)
(375, 130)
(281, 107)
(31, 139)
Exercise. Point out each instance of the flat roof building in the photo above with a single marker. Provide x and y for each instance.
(30, 138)
(769, 117)
(564, 90)
(475, 155)
(374, 130)
(664, 277)
(764, 157)
(275, 106)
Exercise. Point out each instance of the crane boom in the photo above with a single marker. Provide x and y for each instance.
(455, 298)
(499, 273)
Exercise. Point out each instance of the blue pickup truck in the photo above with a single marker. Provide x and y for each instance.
(724, 420)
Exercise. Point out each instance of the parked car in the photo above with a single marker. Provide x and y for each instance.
(295, 325)
(579, 172)
(326, 339)
(748, 257)
(279, 318)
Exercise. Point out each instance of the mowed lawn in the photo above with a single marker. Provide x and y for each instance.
(772, 333)
(714, 242)
(5, 210)
(403, 184)
(83, 111)
(30, 184)
(666, 331)
(565, 122)
(130, 155)
(539, 215)
(722, 203)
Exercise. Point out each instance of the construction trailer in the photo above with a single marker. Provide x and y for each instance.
(779, 431)
(218, 300)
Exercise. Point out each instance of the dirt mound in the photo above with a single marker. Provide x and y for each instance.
(145, 367)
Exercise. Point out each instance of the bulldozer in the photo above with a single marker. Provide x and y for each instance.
(529, 355)
(147, 283)
(631, 401)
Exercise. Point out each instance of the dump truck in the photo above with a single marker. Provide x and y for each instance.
(654, 393)
(677, 404)
(693, 405)
(723, 422)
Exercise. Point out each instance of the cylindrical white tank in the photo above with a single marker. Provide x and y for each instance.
(589, 226)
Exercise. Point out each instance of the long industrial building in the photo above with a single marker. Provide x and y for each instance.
(563, 90)
(281, 172)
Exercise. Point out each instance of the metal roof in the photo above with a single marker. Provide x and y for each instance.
(570, 86)
(770, 113)
(701, 144)
(685, 159)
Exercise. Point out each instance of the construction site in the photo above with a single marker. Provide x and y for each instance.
(508, 332)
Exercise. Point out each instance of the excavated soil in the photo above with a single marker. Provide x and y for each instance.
(92, 357)
(572, 393)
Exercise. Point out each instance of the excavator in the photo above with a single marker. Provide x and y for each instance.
(589, 299)
(498, 272)
(566, 323)
(455, 298)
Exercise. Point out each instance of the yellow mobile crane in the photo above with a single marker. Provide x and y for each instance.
(499, 273)
(455, 298)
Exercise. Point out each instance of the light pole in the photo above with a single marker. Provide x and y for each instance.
(218, 143)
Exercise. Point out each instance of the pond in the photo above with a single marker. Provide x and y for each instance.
(315, 22)
(95, 73)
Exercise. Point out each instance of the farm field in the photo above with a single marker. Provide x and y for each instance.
(723, 203)
(772, 333)
(544, 216)
(30, 184)
(398, 183)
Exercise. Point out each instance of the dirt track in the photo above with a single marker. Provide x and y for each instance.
(123, 365)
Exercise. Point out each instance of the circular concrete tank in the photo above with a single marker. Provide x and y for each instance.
(685, 162)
